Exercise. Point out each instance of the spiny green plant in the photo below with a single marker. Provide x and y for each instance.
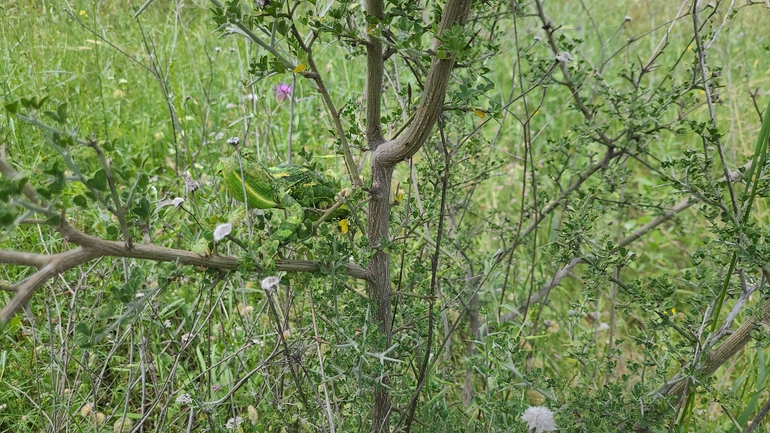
(519, 193)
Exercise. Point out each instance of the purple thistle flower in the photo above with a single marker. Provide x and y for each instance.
(283, 91)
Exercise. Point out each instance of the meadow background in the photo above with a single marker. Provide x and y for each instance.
(118, 342)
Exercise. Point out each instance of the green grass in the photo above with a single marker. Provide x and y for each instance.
(47, 372)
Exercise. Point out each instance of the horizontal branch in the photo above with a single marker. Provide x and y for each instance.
(57, 264)
(184, 257)
(91, 248)
(24, 259)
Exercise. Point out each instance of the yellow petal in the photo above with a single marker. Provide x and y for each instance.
(480, 114)
(299, 68)
(344, 226)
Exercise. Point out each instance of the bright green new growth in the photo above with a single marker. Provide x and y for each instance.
(303, 193)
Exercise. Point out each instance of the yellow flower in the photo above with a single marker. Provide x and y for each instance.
(299, 68)
(344, 225)
(480, 114)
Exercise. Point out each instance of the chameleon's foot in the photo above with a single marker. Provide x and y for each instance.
(268, 250)
(237, 216)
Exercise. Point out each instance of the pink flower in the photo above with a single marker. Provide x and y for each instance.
(283, 91)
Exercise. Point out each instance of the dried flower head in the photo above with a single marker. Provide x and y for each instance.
(190, 184)
(539, 419)
(123, 425)
(233, 423)
(564, 57)
(253, 414)
(270, 284)
(222, 231)
(184, 399)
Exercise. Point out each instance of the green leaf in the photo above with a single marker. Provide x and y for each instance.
(7, 217)
(83, 329)
(99, 181)
(41, 102)
(278, 65)
(52, 115)
(143, 210)
(80, 200)
(143, 181)
(12, 107)
(54, 220)
(61, 110)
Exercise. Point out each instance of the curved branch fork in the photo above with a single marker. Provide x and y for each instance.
(91, 248)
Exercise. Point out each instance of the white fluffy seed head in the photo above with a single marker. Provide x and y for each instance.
(539, 419)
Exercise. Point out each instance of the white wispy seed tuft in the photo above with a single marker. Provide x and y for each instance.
(539, 419)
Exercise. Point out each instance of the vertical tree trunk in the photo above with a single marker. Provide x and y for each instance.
(379, 289)
(385, 156)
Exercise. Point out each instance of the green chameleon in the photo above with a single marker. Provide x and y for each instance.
(303, 193)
